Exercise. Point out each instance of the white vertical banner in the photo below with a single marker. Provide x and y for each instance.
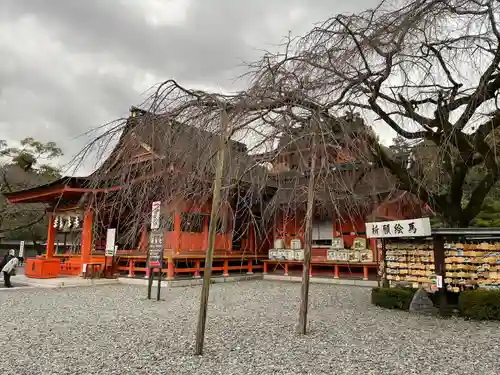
(110, 242)
(21, 249)
(155, 215)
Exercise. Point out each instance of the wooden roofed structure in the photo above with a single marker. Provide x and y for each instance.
(153, 150)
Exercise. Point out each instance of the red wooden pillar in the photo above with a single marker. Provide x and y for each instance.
(177, 231)
(265, 268)
(86, 236)
(310, 270)
(226, 268)
(365, 273)
(131, 266)
(251, 238)
(197, 269)
(143, 241)
(206, 222)
(170, 270)
(146, 276)
(250, 269)
(336, 273)
(51, 237)
(286, 269)
(373, 247)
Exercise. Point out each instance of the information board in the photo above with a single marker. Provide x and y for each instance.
(155, 249)
(110, 242)
(155, 215)
(399, 228)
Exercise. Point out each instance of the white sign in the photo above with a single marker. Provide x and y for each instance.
(110, 242)
(399, 228)
(21, 249)
(155, 215)
(439, 281)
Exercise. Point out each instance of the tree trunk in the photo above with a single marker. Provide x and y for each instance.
(207, 274)
(304, 290)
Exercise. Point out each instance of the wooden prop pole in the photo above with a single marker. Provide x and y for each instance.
(150, 280)
(304, 289)
(159, 283)
(216, 198)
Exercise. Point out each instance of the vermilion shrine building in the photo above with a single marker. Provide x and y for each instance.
(351, 194)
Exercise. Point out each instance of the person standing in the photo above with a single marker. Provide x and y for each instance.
(9, 269)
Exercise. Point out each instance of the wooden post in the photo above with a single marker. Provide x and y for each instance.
(177, 231)
(207, 274)
(170, 269)
(385, 281)
(86, 236)
(249, 267)
(51, 236)
(197, 269)
(439, 265)
(225, 272)
(304, 289)
(286, 269)
(150, 280)
(131, 266)
(159, 283)
(265, 268)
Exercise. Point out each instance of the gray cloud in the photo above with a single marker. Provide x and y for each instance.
(68, 66)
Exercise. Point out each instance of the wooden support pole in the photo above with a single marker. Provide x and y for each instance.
(365, 273)
(336, 271)
(439, 269)
(177, 231)
(170, 269)
(86, 244)
(197, 269)
(225, 272)
(216, 197)
(265, 268)
(249, 268)
(51, 236)
(131, 266)
(286, 269)
(149, 273)
(158, 288)
(304, 290)
(383, 276)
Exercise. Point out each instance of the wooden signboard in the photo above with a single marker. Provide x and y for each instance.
(155, 249)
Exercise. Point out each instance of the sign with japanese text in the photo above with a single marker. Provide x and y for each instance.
(21, 249)
(155, 249)
(399, 228)
(110, 242)
(155, 215)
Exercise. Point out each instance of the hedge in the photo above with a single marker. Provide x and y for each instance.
(393, 298)
(480, 304)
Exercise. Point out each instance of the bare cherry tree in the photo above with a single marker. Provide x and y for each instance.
(425, 69)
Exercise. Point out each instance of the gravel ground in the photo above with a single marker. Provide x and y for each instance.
(250, 330)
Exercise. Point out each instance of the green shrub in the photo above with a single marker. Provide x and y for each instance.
(392, 298)
(480, 304)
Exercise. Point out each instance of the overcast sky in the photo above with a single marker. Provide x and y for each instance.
(69, 66)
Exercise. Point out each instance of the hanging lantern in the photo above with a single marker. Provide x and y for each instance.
(57, 222)
(76, 222)
(67, 224)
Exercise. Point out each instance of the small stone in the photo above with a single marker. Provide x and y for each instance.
(421, 303)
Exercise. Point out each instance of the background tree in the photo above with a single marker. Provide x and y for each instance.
(25, 167)
(427, 69)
